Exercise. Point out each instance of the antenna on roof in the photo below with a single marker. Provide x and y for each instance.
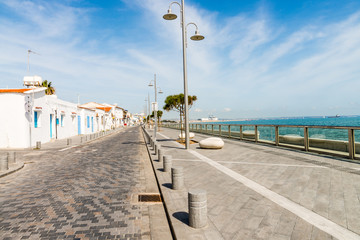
(28, 63)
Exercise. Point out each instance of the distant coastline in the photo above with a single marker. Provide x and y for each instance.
(273, 118)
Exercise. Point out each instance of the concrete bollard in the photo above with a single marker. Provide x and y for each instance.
(11, 157)
(167, 163)
(177, 178)
(160, 155)
(68, 142)
(38, 145)
(85, 138)
(156, 149)
(197, 208)
(81, 139)
(4, 163)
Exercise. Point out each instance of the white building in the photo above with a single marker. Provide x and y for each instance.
(28, 116)
(103, 115)
(117, 115)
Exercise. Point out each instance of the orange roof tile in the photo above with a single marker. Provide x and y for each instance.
(14, 90)
(106, 109)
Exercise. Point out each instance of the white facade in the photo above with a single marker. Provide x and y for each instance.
(28, 116)
(117, 115)
(86, 121)
(109, 116)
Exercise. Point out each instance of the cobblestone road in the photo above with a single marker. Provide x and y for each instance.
(82, 193)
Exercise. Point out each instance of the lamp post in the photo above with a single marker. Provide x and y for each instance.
(195, 37)
(149, 110)
(155, 104)
(146, 112)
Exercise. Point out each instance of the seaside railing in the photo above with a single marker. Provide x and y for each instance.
(333, 140)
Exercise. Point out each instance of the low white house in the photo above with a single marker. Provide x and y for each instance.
(109, 116)
(117, 115)
(28, 116)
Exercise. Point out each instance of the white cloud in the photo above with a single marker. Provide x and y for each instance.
(250, 63)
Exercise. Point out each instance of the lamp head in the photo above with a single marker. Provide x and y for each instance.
(197, 36)
(170, 15)
(151, 84)
(161, 92)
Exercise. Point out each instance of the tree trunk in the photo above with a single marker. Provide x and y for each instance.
(181, 125)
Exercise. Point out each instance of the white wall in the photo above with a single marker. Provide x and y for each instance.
(87, 114)
(17, 127)
(14, 127)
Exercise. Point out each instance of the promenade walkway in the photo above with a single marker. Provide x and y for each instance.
(84, 191)
(261, 192)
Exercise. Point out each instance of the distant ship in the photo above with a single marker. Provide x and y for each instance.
(336, 116)
(210, 118)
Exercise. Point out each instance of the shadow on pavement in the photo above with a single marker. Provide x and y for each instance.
(168, 185)
(139, 143)
(171, 147)
(182, 217)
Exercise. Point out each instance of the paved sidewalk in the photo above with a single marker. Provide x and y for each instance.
(88, 191)
(262, 192)
(54, 144)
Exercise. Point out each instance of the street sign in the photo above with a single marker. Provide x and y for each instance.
(154, 106)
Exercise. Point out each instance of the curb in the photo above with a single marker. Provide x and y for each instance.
(158, 184)
(13, 169)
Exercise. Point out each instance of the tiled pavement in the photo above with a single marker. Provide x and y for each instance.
(85, 192)
(323, 185)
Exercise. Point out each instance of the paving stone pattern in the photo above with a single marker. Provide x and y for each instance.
(81, 193)
(323, 185)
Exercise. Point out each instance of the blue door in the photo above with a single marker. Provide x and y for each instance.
(51, 117)
(35, 119)
(79, 125)
(92, 124)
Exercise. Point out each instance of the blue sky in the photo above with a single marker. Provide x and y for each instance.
(259, 58)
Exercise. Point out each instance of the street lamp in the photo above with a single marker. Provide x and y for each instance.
(196, 37)
(155, 104)
(146, 111)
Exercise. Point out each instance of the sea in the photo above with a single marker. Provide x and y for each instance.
(268, 133)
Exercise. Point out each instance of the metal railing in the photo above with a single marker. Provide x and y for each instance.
(333, 140)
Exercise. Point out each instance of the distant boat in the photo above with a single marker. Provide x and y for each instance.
(210, 118)
(336, 116)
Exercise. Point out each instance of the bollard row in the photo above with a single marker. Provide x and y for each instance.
(197, 198)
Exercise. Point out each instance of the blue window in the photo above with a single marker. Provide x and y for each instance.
(88, 121)
(62, 120)
(35, 119)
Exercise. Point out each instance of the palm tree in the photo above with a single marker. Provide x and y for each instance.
(49, 89)
(159, 115)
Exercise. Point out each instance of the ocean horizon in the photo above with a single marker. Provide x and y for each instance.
(331, 120)
(268, 133)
